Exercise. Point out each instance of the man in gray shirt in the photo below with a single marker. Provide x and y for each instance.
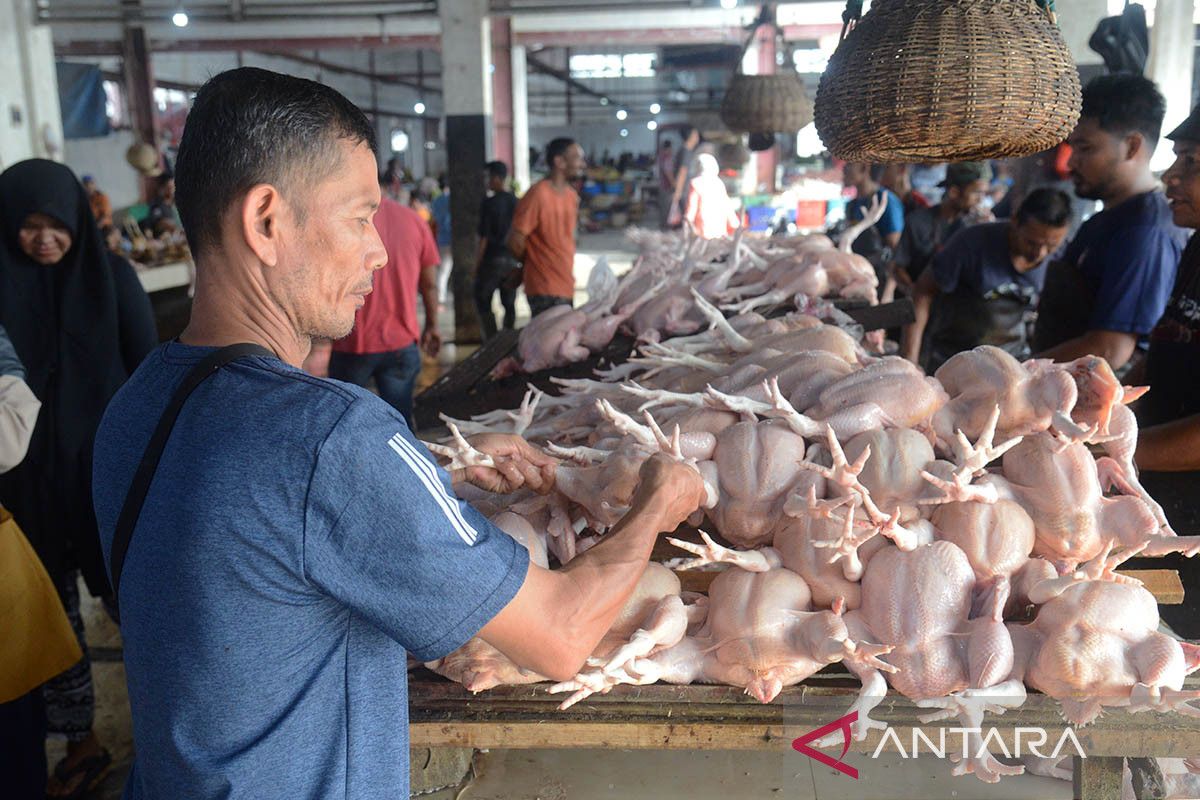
(927, 229)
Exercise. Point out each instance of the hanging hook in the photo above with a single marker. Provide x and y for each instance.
(851, 16)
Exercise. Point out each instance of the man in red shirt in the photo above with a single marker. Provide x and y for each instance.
(383, 344)
(543, 229)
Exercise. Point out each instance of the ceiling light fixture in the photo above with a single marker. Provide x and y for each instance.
(419, 107)
(622, 114)
(180, 18)
(655, 108)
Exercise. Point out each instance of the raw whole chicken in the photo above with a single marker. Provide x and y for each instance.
(562, 335)
(920, 602)
(759, 634)
(654, 609)
(1059, 484)
(977, 381)
(1095, 644)
(997, 539)
(889, 393)
(754, 466)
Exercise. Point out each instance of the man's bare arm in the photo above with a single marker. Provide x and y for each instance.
(431, 340)
(517, 244)
(558, 617)
(1170, 447)
(923, 294)
(1113, 346)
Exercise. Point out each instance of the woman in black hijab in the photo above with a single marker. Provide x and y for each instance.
(81, 323)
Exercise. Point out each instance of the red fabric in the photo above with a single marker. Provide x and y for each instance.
(388, 319)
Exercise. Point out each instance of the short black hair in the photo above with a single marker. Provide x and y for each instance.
(556, 148)
(496, 169)
(249, 126)
(1048, 206)
(1123, 104)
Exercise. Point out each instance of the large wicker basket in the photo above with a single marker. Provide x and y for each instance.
(948, 80)
(766, 103)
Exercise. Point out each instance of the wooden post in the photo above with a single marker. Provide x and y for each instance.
(1098, 778)
(139, 91)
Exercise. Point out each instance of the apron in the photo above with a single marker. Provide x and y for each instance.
(963, 320)
(1066, 307)
(1171, 367)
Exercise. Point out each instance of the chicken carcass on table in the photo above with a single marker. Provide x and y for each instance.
(1030, 400)
(477, 665)
(919, 602)
(652, 617)
(562, 334)
(1095, 644)
(1060, 485)
(888, 393)
(759, 633)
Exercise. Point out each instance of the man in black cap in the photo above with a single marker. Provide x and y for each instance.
(927, 229)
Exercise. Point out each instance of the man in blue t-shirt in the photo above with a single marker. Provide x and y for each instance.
(297, 543)
(981, 288)
(1110, 287)
(878, 242)
(440, 209)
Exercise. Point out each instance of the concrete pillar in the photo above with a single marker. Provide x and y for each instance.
(520, 121)
(1170, 66)
(750, 66)
(767, 159)
(467, 93)
(139, 93)
(502, 95)
(30, 119)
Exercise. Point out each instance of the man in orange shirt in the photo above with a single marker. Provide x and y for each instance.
(543, 229)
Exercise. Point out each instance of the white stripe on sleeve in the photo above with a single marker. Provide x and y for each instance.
(428, 477)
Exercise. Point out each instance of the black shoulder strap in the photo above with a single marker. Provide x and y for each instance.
(142, 479)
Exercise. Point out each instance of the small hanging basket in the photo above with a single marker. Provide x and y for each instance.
(765, 103)
(947, 80)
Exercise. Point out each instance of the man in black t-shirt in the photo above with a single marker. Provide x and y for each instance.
(495, 262)
(1168, 448)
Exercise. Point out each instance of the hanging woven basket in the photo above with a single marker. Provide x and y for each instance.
(766, 103)
(948, 80)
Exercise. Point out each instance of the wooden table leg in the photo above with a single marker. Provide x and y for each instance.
(1098, 778)
(1148, 781)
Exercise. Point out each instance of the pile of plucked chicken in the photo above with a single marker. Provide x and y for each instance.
(951, 536)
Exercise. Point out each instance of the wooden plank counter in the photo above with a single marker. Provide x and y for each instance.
(717, 717)
(701, 717)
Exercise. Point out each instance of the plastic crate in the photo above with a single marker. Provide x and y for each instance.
(758, 218)
(810, 214)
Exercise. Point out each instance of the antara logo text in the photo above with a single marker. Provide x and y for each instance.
(1027, 741)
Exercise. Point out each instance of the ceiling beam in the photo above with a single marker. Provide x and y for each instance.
(346, 70)
(537, 65)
